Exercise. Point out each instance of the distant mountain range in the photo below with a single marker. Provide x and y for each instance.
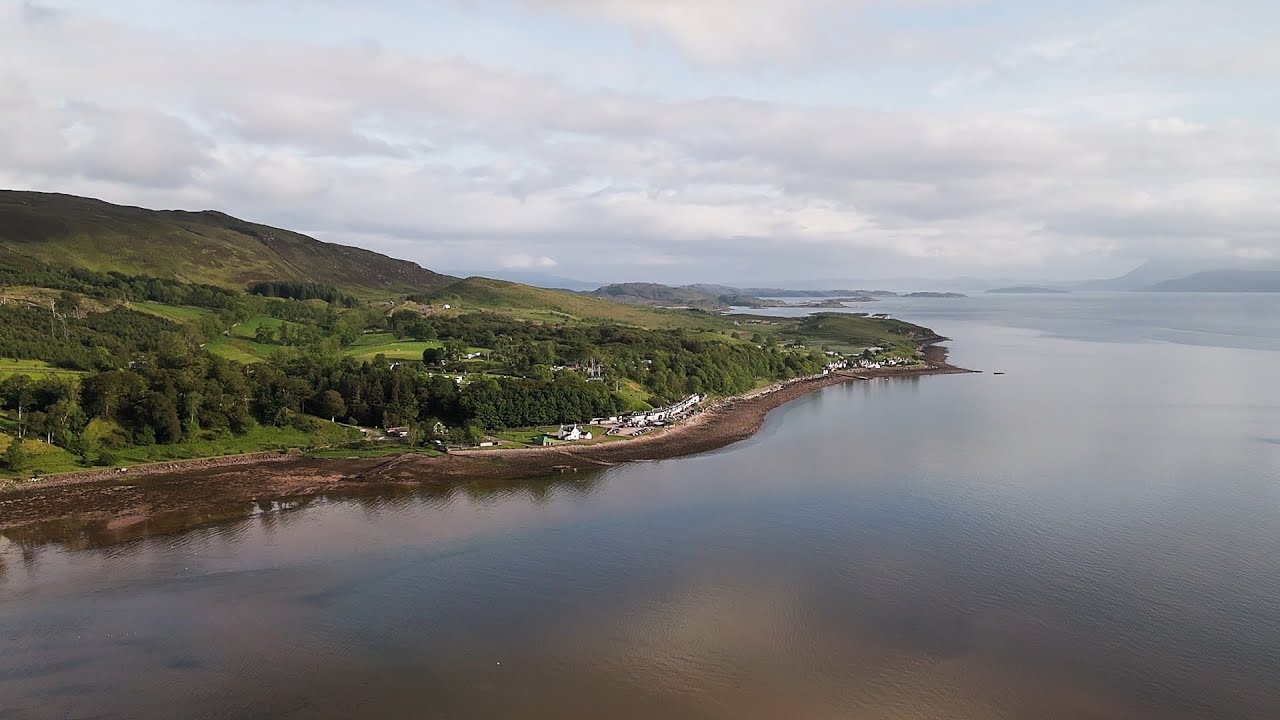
(1145, 275)
(1192, 276)
(1252, 281)
(1171, 276)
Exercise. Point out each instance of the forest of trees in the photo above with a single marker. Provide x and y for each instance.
(113, 286)
(302, 290)
(668, 363)
(92, 341)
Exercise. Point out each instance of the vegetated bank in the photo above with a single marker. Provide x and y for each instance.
(100, 511)
(108, 370)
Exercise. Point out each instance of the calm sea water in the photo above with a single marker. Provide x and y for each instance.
(1094, 534)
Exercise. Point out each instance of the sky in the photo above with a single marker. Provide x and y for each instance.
(672, 140)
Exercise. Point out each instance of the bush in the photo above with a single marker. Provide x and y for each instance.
(305, 423)
(16, 456)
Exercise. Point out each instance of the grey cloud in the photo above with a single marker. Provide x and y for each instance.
(138, 146)
(428, 154)
(34, 12)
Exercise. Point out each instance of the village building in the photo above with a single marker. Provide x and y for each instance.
(664, 414)
(572, 433)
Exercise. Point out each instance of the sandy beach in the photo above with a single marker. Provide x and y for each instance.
(158, 498)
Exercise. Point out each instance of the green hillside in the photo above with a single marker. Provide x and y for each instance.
(200, 247)
(534, 303)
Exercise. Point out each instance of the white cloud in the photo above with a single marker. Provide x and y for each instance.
(758, 32)
(525, 260)
(439, 158)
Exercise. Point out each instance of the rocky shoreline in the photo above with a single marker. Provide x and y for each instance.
(113, 506)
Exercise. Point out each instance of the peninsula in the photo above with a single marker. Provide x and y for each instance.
(117, 364)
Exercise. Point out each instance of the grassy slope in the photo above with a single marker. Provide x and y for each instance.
(534, 303)
(33, 368)
(176, 313)
(208, 247)
(249, 328)
(841, 331)
(656, 295)
(386, 344)
(847, 332)
(240, 350)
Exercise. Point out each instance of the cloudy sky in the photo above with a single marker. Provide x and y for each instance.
(672, 140)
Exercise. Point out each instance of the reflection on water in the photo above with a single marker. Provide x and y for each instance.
(1094, 534)
(88, 533)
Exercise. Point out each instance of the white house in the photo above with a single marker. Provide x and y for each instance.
(569, 433)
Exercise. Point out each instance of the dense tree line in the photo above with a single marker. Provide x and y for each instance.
(114, 286)
(94, 342)
(47, 409)
(669, 363)
(376, 393)
(169, 397)
(162, 397)
(303, 290)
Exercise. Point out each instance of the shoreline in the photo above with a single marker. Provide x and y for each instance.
(111, 506)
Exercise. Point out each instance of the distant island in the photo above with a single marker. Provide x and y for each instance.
(835, 302)
(705, 296)
(782, 292)
(1028, 290)
(667, 296)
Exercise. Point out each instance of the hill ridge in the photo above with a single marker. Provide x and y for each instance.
(206, 246)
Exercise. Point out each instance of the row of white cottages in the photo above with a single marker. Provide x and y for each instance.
(642, 418)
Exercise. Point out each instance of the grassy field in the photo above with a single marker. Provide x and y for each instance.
(849, 333)
(525, 437)
(48, 459)
(372, 344)
(43, 459)
(262, 437)
(635, 396)
(249, 328)
(34, 368)
(240, 350)
(176, 313)
(238, 346)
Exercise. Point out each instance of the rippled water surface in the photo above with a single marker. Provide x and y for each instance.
(1093, 534)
